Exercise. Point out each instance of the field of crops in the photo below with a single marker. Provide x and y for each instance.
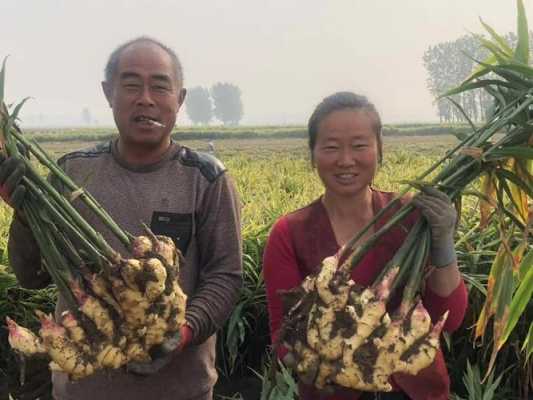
(235, 132)
(273, 177)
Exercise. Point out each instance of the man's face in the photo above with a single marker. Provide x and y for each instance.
(145, 95)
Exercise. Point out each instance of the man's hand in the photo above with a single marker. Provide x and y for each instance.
(35, 381)
(12, 170)
(441, 216)
(163, 354)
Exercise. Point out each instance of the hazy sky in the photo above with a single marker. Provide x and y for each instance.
(284, 54)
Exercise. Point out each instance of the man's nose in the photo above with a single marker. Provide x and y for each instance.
(145, 97)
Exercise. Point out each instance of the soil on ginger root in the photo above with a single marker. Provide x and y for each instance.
(343, 324)
(365, 357)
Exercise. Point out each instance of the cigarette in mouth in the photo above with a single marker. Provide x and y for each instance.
(156, 123)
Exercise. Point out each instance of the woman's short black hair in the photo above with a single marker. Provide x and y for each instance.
(342, 101)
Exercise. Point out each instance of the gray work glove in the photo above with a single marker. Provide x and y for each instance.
(441, 215)
(163, 353)
(12, 170)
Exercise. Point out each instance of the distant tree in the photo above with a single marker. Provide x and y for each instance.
(448, 64)
(198, 105)
(86, 116)
(227, 101)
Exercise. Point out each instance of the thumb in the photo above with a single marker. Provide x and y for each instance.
(171, 344)
(289, 360)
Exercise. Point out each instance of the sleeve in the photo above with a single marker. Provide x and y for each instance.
(220, 263)
(456, 303)
(25, 257)
(281, 272)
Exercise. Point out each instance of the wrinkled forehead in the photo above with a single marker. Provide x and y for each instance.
(146, 59)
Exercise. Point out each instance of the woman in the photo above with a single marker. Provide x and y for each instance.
(346, 149)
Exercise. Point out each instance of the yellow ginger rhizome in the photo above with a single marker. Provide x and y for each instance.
(342, 334)
(121, 313)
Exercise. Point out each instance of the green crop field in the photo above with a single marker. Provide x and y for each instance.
(273, 176)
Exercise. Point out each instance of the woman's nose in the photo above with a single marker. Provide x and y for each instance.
(346, 158)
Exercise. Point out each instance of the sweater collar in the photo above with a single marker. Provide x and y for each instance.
(167, 155)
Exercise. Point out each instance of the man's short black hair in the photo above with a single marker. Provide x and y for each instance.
(114, 58)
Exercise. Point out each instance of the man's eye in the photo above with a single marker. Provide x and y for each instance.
(160, 88)
(331, 148)
(131, 86)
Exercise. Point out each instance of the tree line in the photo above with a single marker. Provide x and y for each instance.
(222, 101)
(447, 65)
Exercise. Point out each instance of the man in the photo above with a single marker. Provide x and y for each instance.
(144, 176)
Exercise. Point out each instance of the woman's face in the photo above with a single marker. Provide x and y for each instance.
(346, 152)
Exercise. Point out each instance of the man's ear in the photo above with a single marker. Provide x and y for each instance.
(108, 91)
(181, 97)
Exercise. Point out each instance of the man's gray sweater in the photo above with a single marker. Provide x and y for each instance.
(187, 196)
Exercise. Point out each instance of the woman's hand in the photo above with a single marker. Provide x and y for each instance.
(441, 215)
(438, 210)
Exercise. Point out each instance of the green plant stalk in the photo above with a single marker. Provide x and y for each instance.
(87, 198)
(43, 203)
(403, 256)
(51, 257)
(403, 273)
(73, 214)
(420, 260)
(403, 252)
(57, 266)
(500, 119)
(459, 174)
(66, 247)
(456, 178)
(361, 251)
(10, 147)
(501, 122)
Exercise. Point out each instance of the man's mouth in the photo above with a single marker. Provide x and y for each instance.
(144, 119)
